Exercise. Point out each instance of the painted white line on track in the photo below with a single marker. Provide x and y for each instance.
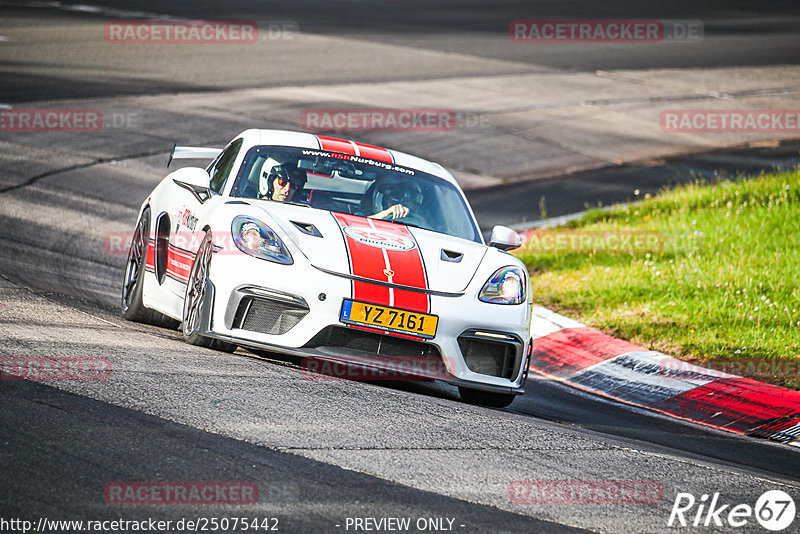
(103, 11)
(117, 13)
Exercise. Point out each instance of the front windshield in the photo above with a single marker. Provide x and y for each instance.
(354, 185)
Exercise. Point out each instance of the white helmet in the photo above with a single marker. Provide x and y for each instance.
(266, 176)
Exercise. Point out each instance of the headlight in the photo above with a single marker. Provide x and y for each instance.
(505, 286)
(257, 239)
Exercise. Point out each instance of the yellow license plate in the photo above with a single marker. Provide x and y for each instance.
(389, 319)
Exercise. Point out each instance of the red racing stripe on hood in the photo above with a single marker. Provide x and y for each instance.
(385, 252)
(409, 270)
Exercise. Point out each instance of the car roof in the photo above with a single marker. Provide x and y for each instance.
(256, 137)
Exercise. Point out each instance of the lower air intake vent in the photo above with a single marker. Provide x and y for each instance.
(378, 344)
(493, 358)
(403, 358)
(268, 316)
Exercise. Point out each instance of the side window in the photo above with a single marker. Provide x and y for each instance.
(222, 168)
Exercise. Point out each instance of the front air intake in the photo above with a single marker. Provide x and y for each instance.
(268, 316)
(490, 354)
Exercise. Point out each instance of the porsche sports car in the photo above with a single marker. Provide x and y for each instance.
(335, 251)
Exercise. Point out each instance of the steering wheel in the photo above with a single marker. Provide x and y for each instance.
(413, 218)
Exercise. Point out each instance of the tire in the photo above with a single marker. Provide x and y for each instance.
(133, 282)
(193, 299)
(485, 398)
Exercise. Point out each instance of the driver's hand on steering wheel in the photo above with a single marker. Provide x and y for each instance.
(398, 211)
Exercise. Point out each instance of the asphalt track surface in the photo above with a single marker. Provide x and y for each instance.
(736, 34)
(321, 451)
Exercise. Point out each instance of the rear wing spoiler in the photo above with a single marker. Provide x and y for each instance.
(193, 152)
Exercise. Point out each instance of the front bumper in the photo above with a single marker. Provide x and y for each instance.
(467, 327)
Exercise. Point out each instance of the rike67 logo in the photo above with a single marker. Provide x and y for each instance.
(774, 510)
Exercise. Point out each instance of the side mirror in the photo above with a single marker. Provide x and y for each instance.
(505, 238)
(195, 180)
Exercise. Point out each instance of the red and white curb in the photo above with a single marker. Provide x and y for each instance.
(570, 352)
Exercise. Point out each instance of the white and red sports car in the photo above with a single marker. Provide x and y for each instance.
(336, 251)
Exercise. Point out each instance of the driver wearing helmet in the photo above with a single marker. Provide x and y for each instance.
(397, 211)
(280, 182)
(395, 199)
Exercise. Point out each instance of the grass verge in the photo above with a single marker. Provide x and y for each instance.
(705, 273)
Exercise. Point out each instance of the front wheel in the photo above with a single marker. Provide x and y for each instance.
(485, 398)
(193, 300)
(133, 284)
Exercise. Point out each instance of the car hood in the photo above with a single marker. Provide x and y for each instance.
(378, 250)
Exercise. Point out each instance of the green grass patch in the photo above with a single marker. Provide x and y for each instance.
(722, 285)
